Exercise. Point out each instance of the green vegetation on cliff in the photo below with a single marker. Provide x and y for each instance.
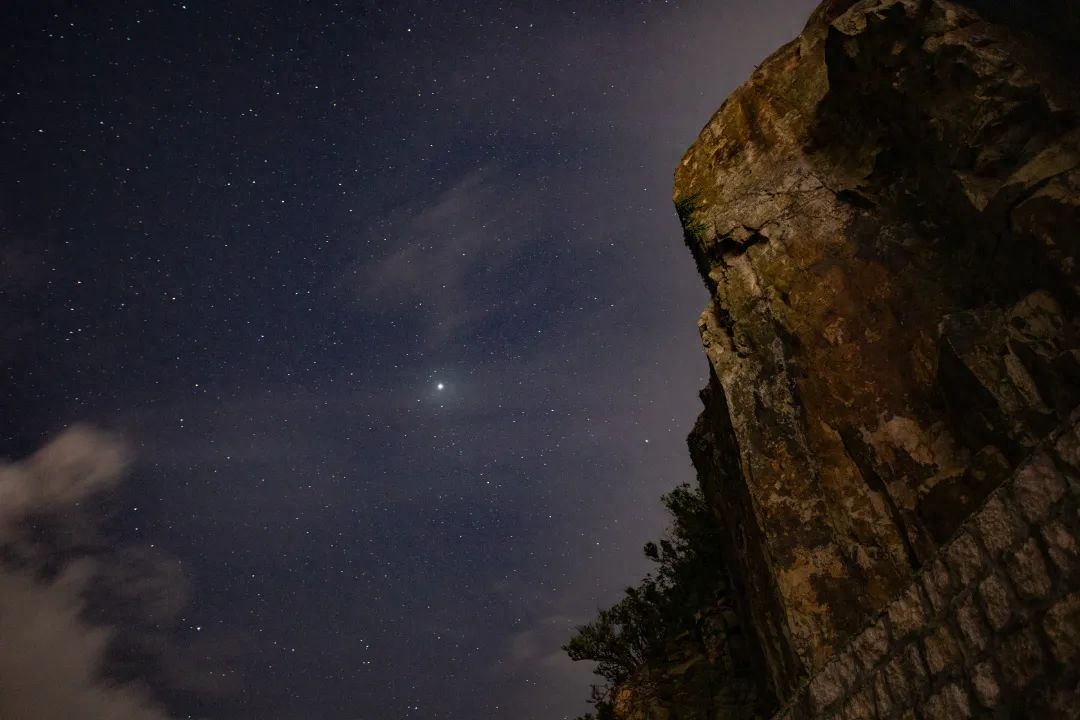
(687, 208)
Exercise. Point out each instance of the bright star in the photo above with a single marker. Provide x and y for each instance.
(440, 386)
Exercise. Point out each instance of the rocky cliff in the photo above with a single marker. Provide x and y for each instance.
(887, 217)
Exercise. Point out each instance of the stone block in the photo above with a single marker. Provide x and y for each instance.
(942, 650)
(1021, 659)
(965, 559)
(1037, 487)
(1068, 446)
(844, 669)
(998, 526)
(1062, 627)
(949, 703)
(882, 697)
(996, 603)
(985, 684)
(938, 584)
(1028, 572)
(907, 614)
(1062, 547)
(870, 645)
(916, 669)
(973, 630)
(859, 706)
(833, 682)
(900, 687)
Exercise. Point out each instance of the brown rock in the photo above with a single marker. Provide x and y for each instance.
(942, 650)
(1037, 487)
(1063, 703)
(950, 703)
(937, 584)
(985, 684)
(832, 683)
(916, 668)
(901, 690)
(997, 605)
(885, 218)
(964, 558)
(1021, 659)
(1062, 547)
(859, 706)
(908, 613)
(870, 645)
(883, 701)
(1068, 447)
(972, 628)
(1028, 572)
(1062, 628)
(997, 525)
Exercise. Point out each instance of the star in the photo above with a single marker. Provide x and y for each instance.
(440, 386)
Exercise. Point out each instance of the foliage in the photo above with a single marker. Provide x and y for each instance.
(665, 605)
(604, 708)
(686, 208)
(694, 230)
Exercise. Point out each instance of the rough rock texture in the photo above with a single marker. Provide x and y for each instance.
(887, 216)
(990, 628)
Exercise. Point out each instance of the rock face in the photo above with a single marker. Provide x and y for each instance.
(887, 216)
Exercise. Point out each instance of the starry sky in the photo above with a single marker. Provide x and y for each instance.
(346, 347)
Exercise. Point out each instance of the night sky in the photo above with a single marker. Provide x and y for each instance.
(373, 334)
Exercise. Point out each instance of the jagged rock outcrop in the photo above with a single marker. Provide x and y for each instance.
(887, 216)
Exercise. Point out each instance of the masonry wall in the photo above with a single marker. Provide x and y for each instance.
(990, 628)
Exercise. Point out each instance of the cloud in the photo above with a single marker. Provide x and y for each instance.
(51, 657)
(76, 464)
(535, 655)
(450, 259)
(540, 644)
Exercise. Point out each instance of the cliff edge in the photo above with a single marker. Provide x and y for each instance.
(887, 217)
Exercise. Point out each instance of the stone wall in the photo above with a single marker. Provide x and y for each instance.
(989, 628)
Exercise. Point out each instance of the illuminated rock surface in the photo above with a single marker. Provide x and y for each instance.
(887, 216)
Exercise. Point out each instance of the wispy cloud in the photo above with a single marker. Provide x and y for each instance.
(449, 259)
(52, 658)
(75, 465)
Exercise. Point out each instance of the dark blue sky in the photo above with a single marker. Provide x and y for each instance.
(390, 305)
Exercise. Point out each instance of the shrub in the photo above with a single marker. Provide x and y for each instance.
(665, 605)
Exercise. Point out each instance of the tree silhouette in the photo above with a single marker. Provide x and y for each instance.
(666, 605)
